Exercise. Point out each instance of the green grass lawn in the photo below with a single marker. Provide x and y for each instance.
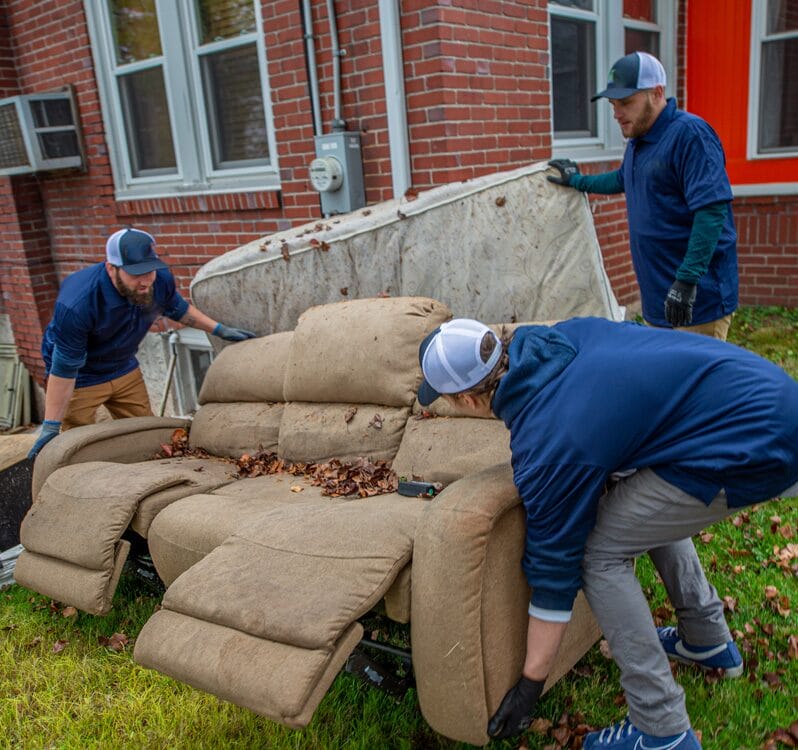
(67, 682)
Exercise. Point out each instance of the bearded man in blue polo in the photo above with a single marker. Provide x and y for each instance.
(678, 201)
(101, 315)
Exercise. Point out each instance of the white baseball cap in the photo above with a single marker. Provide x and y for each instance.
(450, 359)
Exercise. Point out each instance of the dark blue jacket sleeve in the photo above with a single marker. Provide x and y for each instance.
(560, 502)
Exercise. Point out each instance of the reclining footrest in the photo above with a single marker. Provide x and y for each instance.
(287, 592)
(72, 534)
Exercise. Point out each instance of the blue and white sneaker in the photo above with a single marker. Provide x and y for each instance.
(626, 736)
(724, 656)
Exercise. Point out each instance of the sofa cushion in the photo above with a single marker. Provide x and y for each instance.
(444, 449)
(233, 429)
(301, 574)
(189, 529)
(284, 682)
(319, 432)
(361, 351)
(252, 370)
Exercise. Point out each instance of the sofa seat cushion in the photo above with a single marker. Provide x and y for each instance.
(445, 449)
(234, 429)
(319, 432)
(198, 475)
(186, 531)
(302, 572)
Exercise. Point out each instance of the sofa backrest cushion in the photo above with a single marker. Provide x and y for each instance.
(445, 449)
(232, 429)
(362, 351)
(252, 370)
(318, 432)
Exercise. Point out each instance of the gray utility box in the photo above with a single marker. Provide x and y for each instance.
(337, 172)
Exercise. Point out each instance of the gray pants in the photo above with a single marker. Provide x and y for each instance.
(644, 513)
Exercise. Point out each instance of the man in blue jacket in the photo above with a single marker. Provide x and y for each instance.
(625, 439)
(678, 201)
(101, 315)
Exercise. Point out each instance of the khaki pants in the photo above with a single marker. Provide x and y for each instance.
(717, 329)
(125, 396)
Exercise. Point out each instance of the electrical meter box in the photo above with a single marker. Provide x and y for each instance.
(337, 172)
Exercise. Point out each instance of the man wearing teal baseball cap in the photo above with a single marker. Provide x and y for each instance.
(678, 201)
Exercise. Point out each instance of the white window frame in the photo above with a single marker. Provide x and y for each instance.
(759, 36)
(195, 173)
(608, 144)
(179, 344)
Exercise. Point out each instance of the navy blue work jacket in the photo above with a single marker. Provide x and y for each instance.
(677, 167)
(92, 320)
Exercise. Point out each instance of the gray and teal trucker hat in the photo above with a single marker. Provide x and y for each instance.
(632, 73)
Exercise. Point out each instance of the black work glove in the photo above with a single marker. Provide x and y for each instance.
(515, 712)
(229, 333)
(679, 303)
(567, 169)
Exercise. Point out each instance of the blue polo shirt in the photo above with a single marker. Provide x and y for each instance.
(677, 167)
(92, 320)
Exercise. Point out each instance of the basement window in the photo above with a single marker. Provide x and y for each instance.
(185, 96)
(773, 115)
(193, 356)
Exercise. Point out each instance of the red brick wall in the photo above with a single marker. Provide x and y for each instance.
(767, 246)
(477, 89)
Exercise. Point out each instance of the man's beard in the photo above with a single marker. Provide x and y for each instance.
(645, 121)
(142, 299)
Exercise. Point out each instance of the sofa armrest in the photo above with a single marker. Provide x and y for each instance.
(469, 605)
(122, 440)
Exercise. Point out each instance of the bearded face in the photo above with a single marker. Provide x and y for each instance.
(137, 289)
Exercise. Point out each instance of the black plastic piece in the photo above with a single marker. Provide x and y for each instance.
(419, 489)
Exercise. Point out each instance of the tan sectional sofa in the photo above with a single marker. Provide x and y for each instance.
(271, 577)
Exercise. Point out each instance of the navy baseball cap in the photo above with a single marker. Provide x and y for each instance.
(632, 73)
(133, 251)
(450, 359)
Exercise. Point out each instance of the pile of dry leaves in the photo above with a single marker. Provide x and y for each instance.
(360, 477)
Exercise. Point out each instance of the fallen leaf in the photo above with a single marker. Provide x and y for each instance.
(784, 737)
(729, 603)
(284, 252)
(59, 646)
(366, 212)
(540, 726)
(345, 291)
(411, 194)
(501, 200)
(69, 612)
(771, 592)
(376, 422)
(604, 649)
(297, 488)
(792, 647)
(350, 414)
(35, 642)
(116, 642)
(706, 537)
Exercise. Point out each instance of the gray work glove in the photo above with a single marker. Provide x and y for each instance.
(50, 428)
(567, 169)
(515, 712)
(232, 334)
(679, 303)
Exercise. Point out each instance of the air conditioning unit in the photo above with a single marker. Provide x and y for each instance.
(39, 132)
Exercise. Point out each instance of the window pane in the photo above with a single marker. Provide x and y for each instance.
(640, 10)
(58, 144)
(573, 76)
(782, 16)
(231, 80)
(50, 113)
(146, 113)
(636, 40)
(778, 100)
(135, 27)
(222, 19)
